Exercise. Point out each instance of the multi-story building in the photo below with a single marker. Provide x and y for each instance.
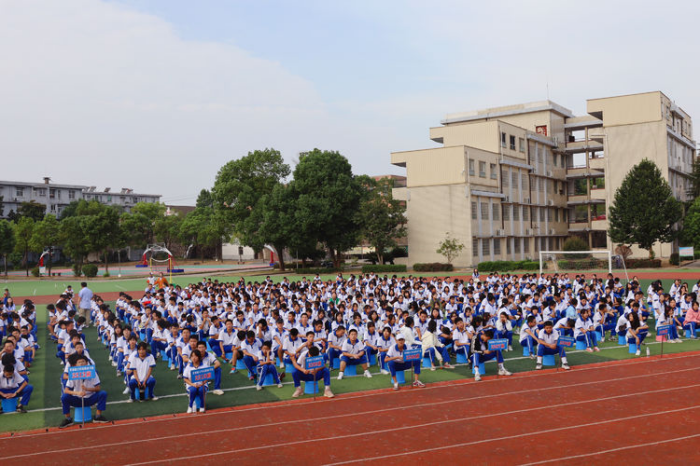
(57, 196)
(512, 181)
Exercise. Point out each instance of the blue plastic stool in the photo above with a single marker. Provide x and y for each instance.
(482, 370)
(336, 363)
(400, 378)
(164, 357)
(688, 333)
(269, 380)
(197, 403)
(9, 405)
(548, 360)
(621, 340)
(598, 336)
(310, 388)
(289, 367)
(229, 356)
(350, 370)
(633, 348)
(581, 345)
(372, 359)
(526, 351)
(240, 365)
(82, 414)
(462, 358)
(137, 393)
(426, 363)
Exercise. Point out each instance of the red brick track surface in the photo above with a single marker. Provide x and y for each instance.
(622, 412)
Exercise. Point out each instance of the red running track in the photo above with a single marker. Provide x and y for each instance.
(647, 409)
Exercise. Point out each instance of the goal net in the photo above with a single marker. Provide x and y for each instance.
(576, 261)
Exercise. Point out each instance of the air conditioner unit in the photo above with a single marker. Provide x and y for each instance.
(527, 200)
(549, 173)
(506, 199)
(528, 232)
(551, 231)
(500, 233)
(534, 169)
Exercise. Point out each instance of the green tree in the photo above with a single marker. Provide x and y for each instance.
(450, 248)
(103, 232)
(644, 210)
(46, 234)
(7, 241)
(73, 232)
(206, 227)
(2, 206)
(691, 225)
(24, 229)
(167, 229)
(205, 199)
(381, 217)
(141, 224)
(328, 200)
(694, 189)
(239, 188)
(31, 209)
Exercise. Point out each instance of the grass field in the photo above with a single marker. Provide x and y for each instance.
(45, 376)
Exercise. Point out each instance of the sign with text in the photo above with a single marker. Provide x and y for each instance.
(202, 375)
(663, 330)
(414, 354)
(314, 363)
(81, 372)
(686, 252)
(566, 342)
(500, 344)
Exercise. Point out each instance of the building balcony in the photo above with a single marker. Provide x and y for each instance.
(578, 147)
(597, 163)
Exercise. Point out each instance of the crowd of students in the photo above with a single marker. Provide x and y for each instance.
(355, 321)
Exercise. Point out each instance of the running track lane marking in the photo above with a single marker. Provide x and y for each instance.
(326, 418)
(469, 380)
(477, 442)
(141, 421)
(613, 450)
(419, 426)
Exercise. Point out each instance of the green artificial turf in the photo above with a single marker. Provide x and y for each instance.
(46, 371)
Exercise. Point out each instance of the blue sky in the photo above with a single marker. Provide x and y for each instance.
(156, 95)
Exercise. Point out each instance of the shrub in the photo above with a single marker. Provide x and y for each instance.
(582, 264)
(507, 266)
(383, 268)
(433, 267)
(36, 272)
(643, 263)
(77, 270)
(574, 243)
(90, 270)
(312, 270)
(674, 259)
(106, 275)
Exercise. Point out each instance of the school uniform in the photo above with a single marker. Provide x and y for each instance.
(228, 340)
(589, 337)
(462, 342)
(253, 348)
(357, 348)
(479, 348)
(195, 392)
(141, 366)
(550, 338)
(267, 369)
(89, 399)
(526, 341)
(399, 364)
(298, 376)
(209, 360)
(11, 384)
(334, 339)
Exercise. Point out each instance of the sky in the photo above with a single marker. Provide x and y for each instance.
(157, 95)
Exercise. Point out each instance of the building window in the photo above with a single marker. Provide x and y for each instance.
(512, 143)
(503, 139)
(492, 168)
(471, 167)
(484, 211)
(497, 246)
(474, 207)
(496, 211)
(508, 246)
(482, 169)
(514, 178)
(554, 159)
(504, 179)
(526, 245)
(485, 247)
(522, 144)
(542, 214)
(516, 213)
(19, 192)
(506, 213)
(71, 194)
(597, 183)
(526, 214)
(475, 247)
(556, 215)
(563, 161)
(516, 245)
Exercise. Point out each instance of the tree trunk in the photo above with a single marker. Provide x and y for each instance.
(4, 257)
(380, 258)
(26, 261)
(280, 256)
(335, 255)
(106, 261)
(651, 252)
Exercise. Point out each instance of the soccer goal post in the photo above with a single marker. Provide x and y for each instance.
(573, 261)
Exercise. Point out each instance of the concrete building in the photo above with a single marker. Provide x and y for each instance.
(57, 196)
(511, 181)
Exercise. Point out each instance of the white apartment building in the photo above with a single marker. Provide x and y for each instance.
(511, 181)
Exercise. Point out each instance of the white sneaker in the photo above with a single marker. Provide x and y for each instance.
(538, 367)
(258, 387)
(189, 410)
(503, 371)
(130, 400)
(114, 364)
(217, 392)
(385, 372)
(202, 410)
(678, 340)
(328, 393)
(279, 385)
(297, 392)
(510, 348)
(565, 367)
(154, 398)
(368, 375)
(396, 387)
(172, 367)
(638, 353)
(126, 391)
(340, 376)
(432, 368)
(477, 377)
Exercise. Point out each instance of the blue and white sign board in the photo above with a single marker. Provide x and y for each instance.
(81, 372)
(314, 363)
(566, 342)
(413, 354)
(663, 330)
(500, 344)
(202, 375)
(686, 252)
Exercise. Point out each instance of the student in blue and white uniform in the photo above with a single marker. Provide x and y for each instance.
(584, 331)
(353, 353)
(209, 360)
(195, 390)
(314, 375)
(13, 385)
(85, 392)
(481, 353)
(395, 362)
(141, 373)
(548, 340)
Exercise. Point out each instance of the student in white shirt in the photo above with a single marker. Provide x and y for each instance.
(353, 353)
(395, 362)
(433, 348)
(267, 365)
(461, 337)
(140, 373)
(584, 331)
(195, 390)
(310, 375)
(548, 340)
(13, 385)
(86, 392)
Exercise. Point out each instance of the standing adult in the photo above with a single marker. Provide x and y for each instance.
(85, 305)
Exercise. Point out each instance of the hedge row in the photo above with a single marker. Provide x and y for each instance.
(383, 268)
(433, 267)
(643, 263)
(585, 264)
(507, 266)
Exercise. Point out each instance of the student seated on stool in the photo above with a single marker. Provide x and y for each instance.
(481, 351)
(210, 360)
(353, 354)
(394, 360)
(548, 340)
(13, 385)
(313, 375)
(141, 373)
(86, 392)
